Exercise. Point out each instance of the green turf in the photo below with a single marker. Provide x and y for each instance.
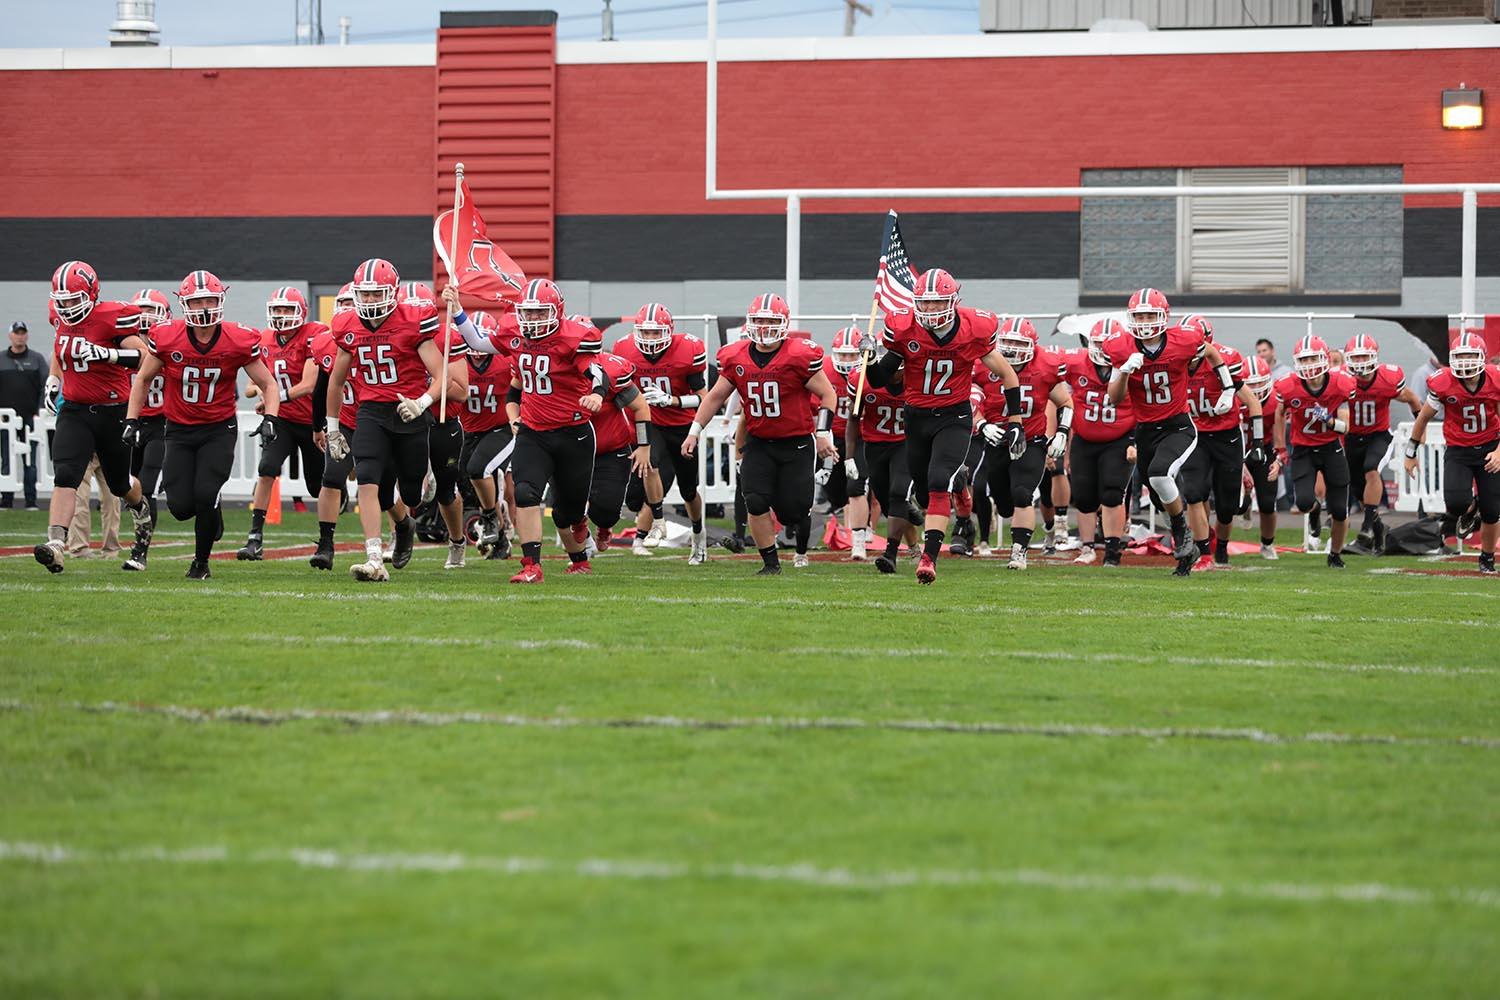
(1222, 833)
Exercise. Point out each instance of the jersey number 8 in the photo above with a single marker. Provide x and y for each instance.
(536, 373)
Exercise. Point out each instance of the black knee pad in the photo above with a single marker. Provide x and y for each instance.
(1020, 498)
(1337, 502)
(757, 503)
(181, 506)
(689, 493)
(565, 519)
(527, 494)
(68, 475)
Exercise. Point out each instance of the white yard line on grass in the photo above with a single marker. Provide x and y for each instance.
(802, 874)
(416, 717)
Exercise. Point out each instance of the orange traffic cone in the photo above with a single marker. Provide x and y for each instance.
(273, 509)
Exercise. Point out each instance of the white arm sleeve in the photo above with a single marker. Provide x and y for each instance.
(731, 405)
(476, 340)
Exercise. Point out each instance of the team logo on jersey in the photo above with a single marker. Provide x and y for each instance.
(176, 356)
(869, 397)
(1452, 399)
(913, 346)
(739, 370)
(1083, 380)
(515, 343)
(349, 339)
(1295, 402)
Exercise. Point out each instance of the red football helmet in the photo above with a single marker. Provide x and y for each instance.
(653, 328)
(1199, 324)
(1310, 357)
(201, 296)
(1017, 339)
(416, 291)
(75, 289)
(485, 323)
(1147, 316)
(1362, 355)
(1098, 334)
(540, 310)
(767, 319)
(936, 299)
(154, 306)
(848, 345)
(286, 309)
(1467, 355)
(1258, 377)
(374, 286)
(344, 300)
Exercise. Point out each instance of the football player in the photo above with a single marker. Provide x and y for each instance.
(97, 346)
(486, 428)
(1217, 465)
(1012, 482)
(1467, 393)
(774, 373)
(1369, 438)
(145, 460)
(843, 485)
(201, 356)
(938, 342)
(336, 472)
(1265, 473)
(622, 447)
(1152, 366)
(671, 371)
(1103, 448)
(875, 437)
(1313, 417)
(390, 349)
(287, 341)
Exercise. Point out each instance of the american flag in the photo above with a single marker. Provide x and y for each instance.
(895, 283)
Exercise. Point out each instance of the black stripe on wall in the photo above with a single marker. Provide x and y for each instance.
(1432, 242)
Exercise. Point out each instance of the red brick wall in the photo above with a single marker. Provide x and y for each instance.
(1434, 8)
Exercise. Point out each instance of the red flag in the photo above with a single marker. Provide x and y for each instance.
(481, 270)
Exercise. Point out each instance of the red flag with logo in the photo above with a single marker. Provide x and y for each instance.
(482, 271)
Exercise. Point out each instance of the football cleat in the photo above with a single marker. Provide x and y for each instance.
(406, 539)
(1366, 539)
(1185, 548)
(638, 545)
(1061, 540)
(1221, 561)
(455, 558)
(858, 553)
(799, 561)
(885, 564)
(253, 551)
(1468, 523)
(772, 570)
(734, 543)
(137, 561)
(656, 535)
(198, 570)
(1487, 563)
(1017, 556)
(926, 571)
(962, 543)
(602, 538)
(1204, 564)
(579, 568)
(370, 572)
(1184, 566)
(1049, 545)
(1269, 552)
(985, 550)
(1085, 556)
(486, 533)
(321, 559)
(50, 555)
(531, 572)
(1314, 545)
(1335, 561)
(502, 548)
(389, 551)
(699, 554)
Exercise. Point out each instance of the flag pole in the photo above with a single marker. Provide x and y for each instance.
(864, 360)
(458, 172)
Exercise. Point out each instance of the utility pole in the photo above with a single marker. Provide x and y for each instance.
(607, 24)
(850, 8)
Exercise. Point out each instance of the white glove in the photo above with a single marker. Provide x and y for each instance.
(654, 396)
(993, 434)
(1132, 363)
(851, 469)
(410, 409)
(338, 445)
(823, 473)
(1224, 403)
(1058, 446)
(53, 393)
(93, 353)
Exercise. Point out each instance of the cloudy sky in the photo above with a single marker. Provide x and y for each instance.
(84, 23)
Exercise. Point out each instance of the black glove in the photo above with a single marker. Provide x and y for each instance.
(1255, 455)
(131, 433)
(266, 430)
(1014, 440)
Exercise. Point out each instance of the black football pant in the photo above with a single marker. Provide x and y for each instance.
(777, 475)
(445, 448)
(1365, 452)
(1329, 459)
(83, 431)
(1215, 469)
(1464, 475)
(1012, 483)
(1162, 447)
(336, 473)
(937, 445)
(195, 466)
(1099, 472)
(292, 437)
(146, 459)
(489, 452)
(890, 480)
(390, 453)
(607, 493)
(840, 489)
(670, 463)
(564, 457)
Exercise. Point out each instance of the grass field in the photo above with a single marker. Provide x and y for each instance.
(663, 781)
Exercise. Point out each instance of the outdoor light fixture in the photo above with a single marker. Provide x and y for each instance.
(1463, 108)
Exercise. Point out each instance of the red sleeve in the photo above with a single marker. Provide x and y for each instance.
(897, 325)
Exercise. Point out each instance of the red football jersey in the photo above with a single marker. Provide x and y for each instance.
(1469, 417)
(94, 382)
(1158, 390)
(202, 380)
(669, 372)
(940, 374)
(838, 380)
(325, 351)
(1038, 376)
(775, 395)
(286, 354)
(1204, 387)
(489, 382)
(1371, 409)
(614, 425)
(882, 415)
(1095, 418)
(386, 362)
(553, 371)
(1268, 408)
(1300, 401)
(154, 395)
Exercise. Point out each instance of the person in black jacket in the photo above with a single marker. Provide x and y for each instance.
(23, 375)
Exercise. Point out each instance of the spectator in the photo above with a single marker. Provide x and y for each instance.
(109, 517)
(23, 378)
(1418, 379)
(1266, 351)
(1335, 359)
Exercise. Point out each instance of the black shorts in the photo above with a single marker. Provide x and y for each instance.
(670, 464)
(1464, 477)
(607, 493)
(293, 437)
(146, 458)
(336, 473)
(196, 464)
(1099, 472)
(1265, 486)
(1215, 470)
(1162, 447)
(83, 431)
(1364, 453)
(777, 475)
(884, 464)
(937, 447)
(1329, 459)
(489, 452)
(840, 489)
(564, 457)
(1012, 483)
(389, 452)
(445, 448)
